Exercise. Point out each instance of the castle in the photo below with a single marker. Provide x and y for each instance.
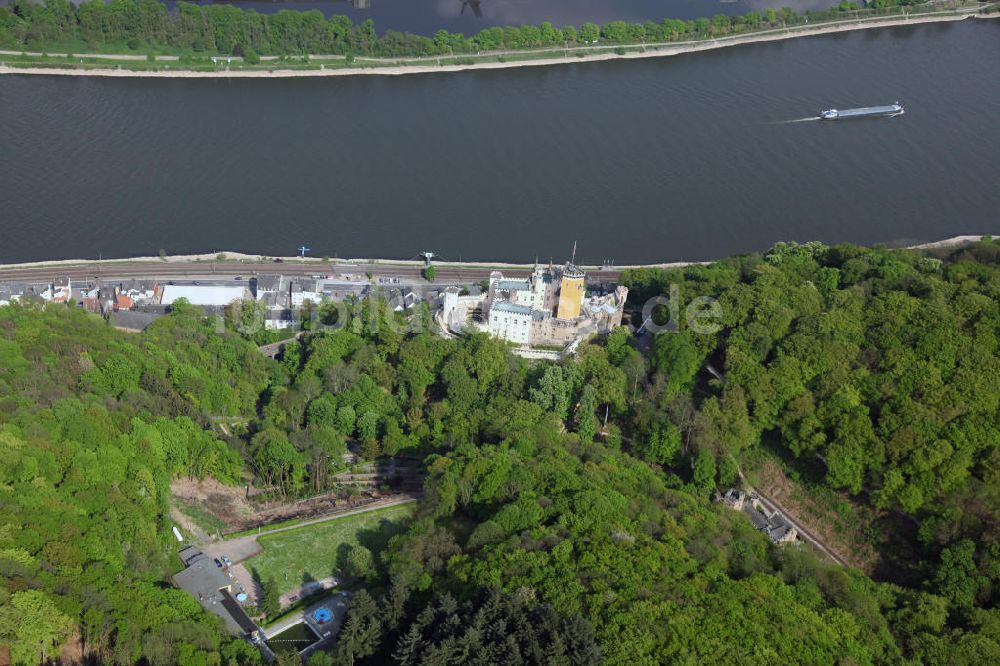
(550, 307)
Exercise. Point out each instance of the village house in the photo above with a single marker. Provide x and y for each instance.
(263, 286)
(300, 291)
(59, 291)
(11, 292)
(777, 528)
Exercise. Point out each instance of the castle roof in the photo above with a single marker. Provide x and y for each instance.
(512, 308)
(514, 285)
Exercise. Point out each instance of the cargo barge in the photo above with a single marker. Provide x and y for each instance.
(863, 112)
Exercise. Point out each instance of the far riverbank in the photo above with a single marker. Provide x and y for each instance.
(128, 67)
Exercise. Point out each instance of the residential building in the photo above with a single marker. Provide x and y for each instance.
(140, 291)
(11, 292)
(92, 305)
(123, 302)
(59, 291)
(300, 291)
(772, 523)
(280, 320)
(263, 285)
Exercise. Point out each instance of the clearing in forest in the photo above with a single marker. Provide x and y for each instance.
(216, 509)
(298, 557)
(836, 521)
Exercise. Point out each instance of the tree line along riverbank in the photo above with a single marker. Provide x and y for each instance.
(143, 36)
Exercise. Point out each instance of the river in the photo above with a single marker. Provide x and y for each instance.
(687, 157)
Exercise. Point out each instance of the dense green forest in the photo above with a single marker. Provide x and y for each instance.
(93, 426)
(567, 514)
(192, 29)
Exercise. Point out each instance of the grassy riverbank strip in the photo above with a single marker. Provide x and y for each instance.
(222, 66)
(255, 261)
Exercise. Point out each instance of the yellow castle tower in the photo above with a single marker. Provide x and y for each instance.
(571, 289)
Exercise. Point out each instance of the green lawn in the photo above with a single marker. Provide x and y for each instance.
(312, 553)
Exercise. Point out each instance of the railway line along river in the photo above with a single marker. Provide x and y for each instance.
(683, 158)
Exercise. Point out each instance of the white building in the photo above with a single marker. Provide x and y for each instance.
(530, 292)
(301, 290)
(140, 291)
(510, 321)
(300, 297)
(203, 294)
(59, 291)
(280, 320)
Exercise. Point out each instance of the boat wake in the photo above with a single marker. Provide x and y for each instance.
(796, 120)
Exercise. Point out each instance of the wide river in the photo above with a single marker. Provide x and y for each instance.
(688, 157)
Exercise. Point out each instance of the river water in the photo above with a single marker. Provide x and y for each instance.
(688, 157)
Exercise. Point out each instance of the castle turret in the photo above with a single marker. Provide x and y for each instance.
(571, 289)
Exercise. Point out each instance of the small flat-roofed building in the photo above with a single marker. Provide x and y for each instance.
(203, 294)
(205, 581)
